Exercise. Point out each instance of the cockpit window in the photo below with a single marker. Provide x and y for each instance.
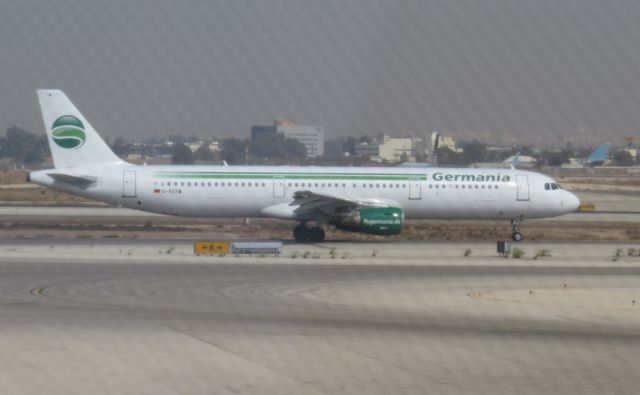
(552, 186)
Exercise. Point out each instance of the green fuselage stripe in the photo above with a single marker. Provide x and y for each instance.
(294, 176)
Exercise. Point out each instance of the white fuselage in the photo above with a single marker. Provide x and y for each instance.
(247, 191)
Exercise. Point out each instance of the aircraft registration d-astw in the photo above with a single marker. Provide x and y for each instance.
(374, 200)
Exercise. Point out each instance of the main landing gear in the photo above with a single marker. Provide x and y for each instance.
(515, 226)
(303, 233)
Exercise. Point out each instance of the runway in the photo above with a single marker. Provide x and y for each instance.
(401, 318)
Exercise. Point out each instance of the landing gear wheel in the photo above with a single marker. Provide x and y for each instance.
(301, 233)
(515, 226)
(316, 234)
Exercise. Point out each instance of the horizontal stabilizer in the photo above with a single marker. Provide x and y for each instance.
(69, 179)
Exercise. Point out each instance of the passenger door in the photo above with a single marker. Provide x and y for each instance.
(523, 187)
(414, 189)
(278, 187)
(129, 183)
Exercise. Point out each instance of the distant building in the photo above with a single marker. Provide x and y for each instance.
(135, 158)
(311, 136)
(395, 149)
(194, 145)
(449, 143)
(367, 149)
(261, 133)
(632, 151)
(420, 148)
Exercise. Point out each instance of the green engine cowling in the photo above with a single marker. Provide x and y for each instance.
(373, 220)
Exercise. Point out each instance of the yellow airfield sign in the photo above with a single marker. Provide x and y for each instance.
(211, 247)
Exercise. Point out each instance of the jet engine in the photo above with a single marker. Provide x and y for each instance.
(373, 220)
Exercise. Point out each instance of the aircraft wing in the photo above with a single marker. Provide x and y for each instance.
(307, 205)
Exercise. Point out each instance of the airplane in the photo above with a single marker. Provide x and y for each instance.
(595, 159)
(599, 156)
(372, 200)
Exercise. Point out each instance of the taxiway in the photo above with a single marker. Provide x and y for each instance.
(133, 316)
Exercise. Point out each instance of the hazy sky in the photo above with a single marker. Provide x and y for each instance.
(142, 67)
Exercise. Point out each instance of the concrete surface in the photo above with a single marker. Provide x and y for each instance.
(379, 253)
(129, 317)
(611, 201)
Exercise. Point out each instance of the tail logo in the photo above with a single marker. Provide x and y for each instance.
(68, 132)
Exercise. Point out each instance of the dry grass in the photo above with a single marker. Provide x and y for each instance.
(18, 194)
(13, 177)
(39, 195)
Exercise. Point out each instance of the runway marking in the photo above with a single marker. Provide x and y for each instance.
(37, 291)
(483, 296)
(490, 296)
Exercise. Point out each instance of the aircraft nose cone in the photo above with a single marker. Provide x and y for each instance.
(572, 202)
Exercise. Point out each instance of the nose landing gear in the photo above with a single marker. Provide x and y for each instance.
(515, 226)
(303, 233)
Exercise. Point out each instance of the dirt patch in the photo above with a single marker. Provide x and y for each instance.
(13, 177)
(40, 195)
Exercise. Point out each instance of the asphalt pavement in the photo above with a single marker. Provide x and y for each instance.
(401, 318)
